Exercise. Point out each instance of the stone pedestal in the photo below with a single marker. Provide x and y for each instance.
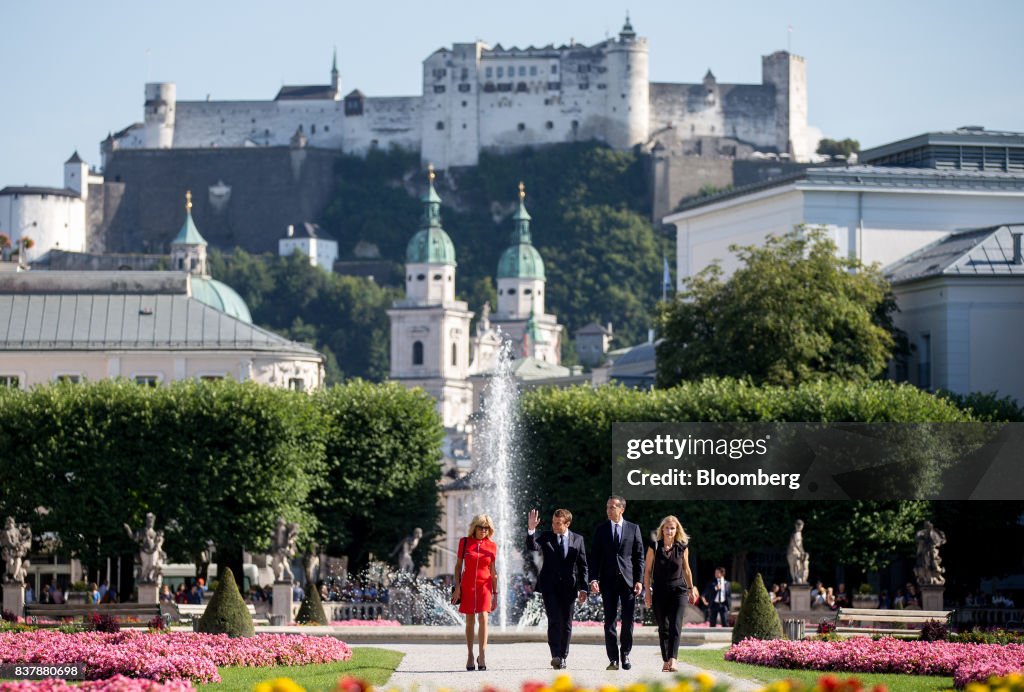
(14, 598)
(149, 593)
(282, 602)
(931, 597)
(799, 597)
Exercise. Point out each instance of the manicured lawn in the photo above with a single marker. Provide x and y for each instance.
(372, 665)
(714, 660)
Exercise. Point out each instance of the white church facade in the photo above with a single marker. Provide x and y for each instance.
(431, 344)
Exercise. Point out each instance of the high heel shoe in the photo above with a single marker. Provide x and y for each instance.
(481, 662)
(469, 663)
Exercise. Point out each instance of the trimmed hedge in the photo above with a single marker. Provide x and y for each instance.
(226, 613)
(757, 618)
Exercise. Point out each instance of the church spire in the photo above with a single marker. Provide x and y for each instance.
(431, 202)
(521, 219)
(335, 77)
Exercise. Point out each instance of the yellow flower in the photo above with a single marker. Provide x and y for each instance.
(682, 686)
(636, 687)
(562, 683)
(976, 687)
(608, 688)
(705, 681)
(279, 685)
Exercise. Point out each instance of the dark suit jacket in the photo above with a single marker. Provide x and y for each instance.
(709, 594)
(607, 563)
(560, 575)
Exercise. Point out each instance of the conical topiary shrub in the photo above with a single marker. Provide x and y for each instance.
(226, 612)
(757, 618)
(311, 612)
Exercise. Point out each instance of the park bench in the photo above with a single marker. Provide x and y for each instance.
(871, 616)
(141, 614)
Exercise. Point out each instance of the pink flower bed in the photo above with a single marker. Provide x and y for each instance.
(965, 662)
(365, 623)
(165, 657)
(118, 683)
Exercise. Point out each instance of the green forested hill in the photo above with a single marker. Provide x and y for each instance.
(590, 209)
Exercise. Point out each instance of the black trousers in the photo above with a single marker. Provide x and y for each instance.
(716, 609)
(559, 609)
(668, 615)
(611, 597)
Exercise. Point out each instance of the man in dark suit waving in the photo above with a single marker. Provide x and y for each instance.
(718, 598)
(562, 579)
(617, 559)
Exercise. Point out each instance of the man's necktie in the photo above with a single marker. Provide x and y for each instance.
(615, 533)
(561, 546)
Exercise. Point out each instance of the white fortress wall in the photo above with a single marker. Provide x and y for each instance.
(393, 120)
(257, 123)
(50, 220)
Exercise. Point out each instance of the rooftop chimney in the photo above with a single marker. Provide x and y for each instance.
(1017, 258)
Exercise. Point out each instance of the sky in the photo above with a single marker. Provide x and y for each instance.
(878, 71)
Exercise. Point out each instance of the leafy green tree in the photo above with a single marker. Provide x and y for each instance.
(793, 312)
(836, 147)
(757, 618)
(383, 458)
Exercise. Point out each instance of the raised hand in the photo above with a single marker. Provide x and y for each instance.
(533, 520)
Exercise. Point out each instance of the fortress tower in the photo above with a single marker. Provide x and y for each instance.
(628, 92)
(159, 115)
(429, 328)
(788, 74)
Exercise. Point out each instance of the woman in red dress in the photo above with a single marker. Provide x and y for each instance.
(476, 583)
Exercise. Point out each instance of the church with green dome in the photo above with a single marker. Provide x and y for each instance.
(431, 344)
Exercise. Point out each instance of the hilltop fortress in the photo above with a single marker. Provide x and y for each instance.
(476, 97)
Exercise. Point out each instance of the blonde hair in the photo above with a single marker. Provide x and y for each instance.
(483, 520)
(680, 531)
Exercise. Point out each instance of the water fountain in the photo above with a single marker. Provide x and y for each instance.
(496, 467)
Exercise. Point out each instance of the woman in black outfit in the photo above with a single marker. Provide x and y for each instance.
(668, 562)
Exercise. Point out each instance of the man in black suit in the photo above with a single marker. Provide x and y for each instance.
(562, 579)
(617, 559)
(718, 598)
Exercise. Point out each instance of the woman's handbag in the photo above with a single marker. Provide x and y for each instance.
(457, 588)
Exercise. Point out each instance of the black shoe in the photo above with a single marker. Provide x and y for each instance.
(626, 665)
(612, 665)
(480, 664)
(556, 663)
(562, 665)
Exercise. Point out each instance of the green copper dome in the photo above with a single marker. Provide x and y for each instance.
(221, 297)
(430, 245)
(521, 260)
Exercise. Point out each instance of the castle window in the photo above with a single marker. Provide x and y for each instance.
(439, 125)
(440, 73)
(464, 75)
(10, 381)
(439, 88)
(521, 126)
(147, 380)
(575, 125)
(522, 70)
(327, 128)
(437, 277)
(554, 69)
(488, 72)
(549, 125)
(488, 87)
(465, 88)
(505, 86)
(455, 354)
(533, 70)
(511, 291)
(527, 291)
(501, 291)
(501, 72)
(522, 87)
(409, 278)
(417, 353)
(554, 86)
(584, 67)
(584, 84)
(296, 384)
(421, 277)
(312, 129)
(602, 86)
(465, 103)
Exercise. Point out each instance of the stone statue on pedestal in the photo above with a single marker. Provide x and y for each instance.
(404, 550)
(283, 549)
(15, 543)
(798, 558)
(151, 556)
(929, 569)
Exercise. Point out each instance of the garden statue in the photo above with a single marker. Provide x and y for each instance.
(151, 555)
(282, 550)
(404, 550)
(798, 558)
(929, 569)
(15, 543)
